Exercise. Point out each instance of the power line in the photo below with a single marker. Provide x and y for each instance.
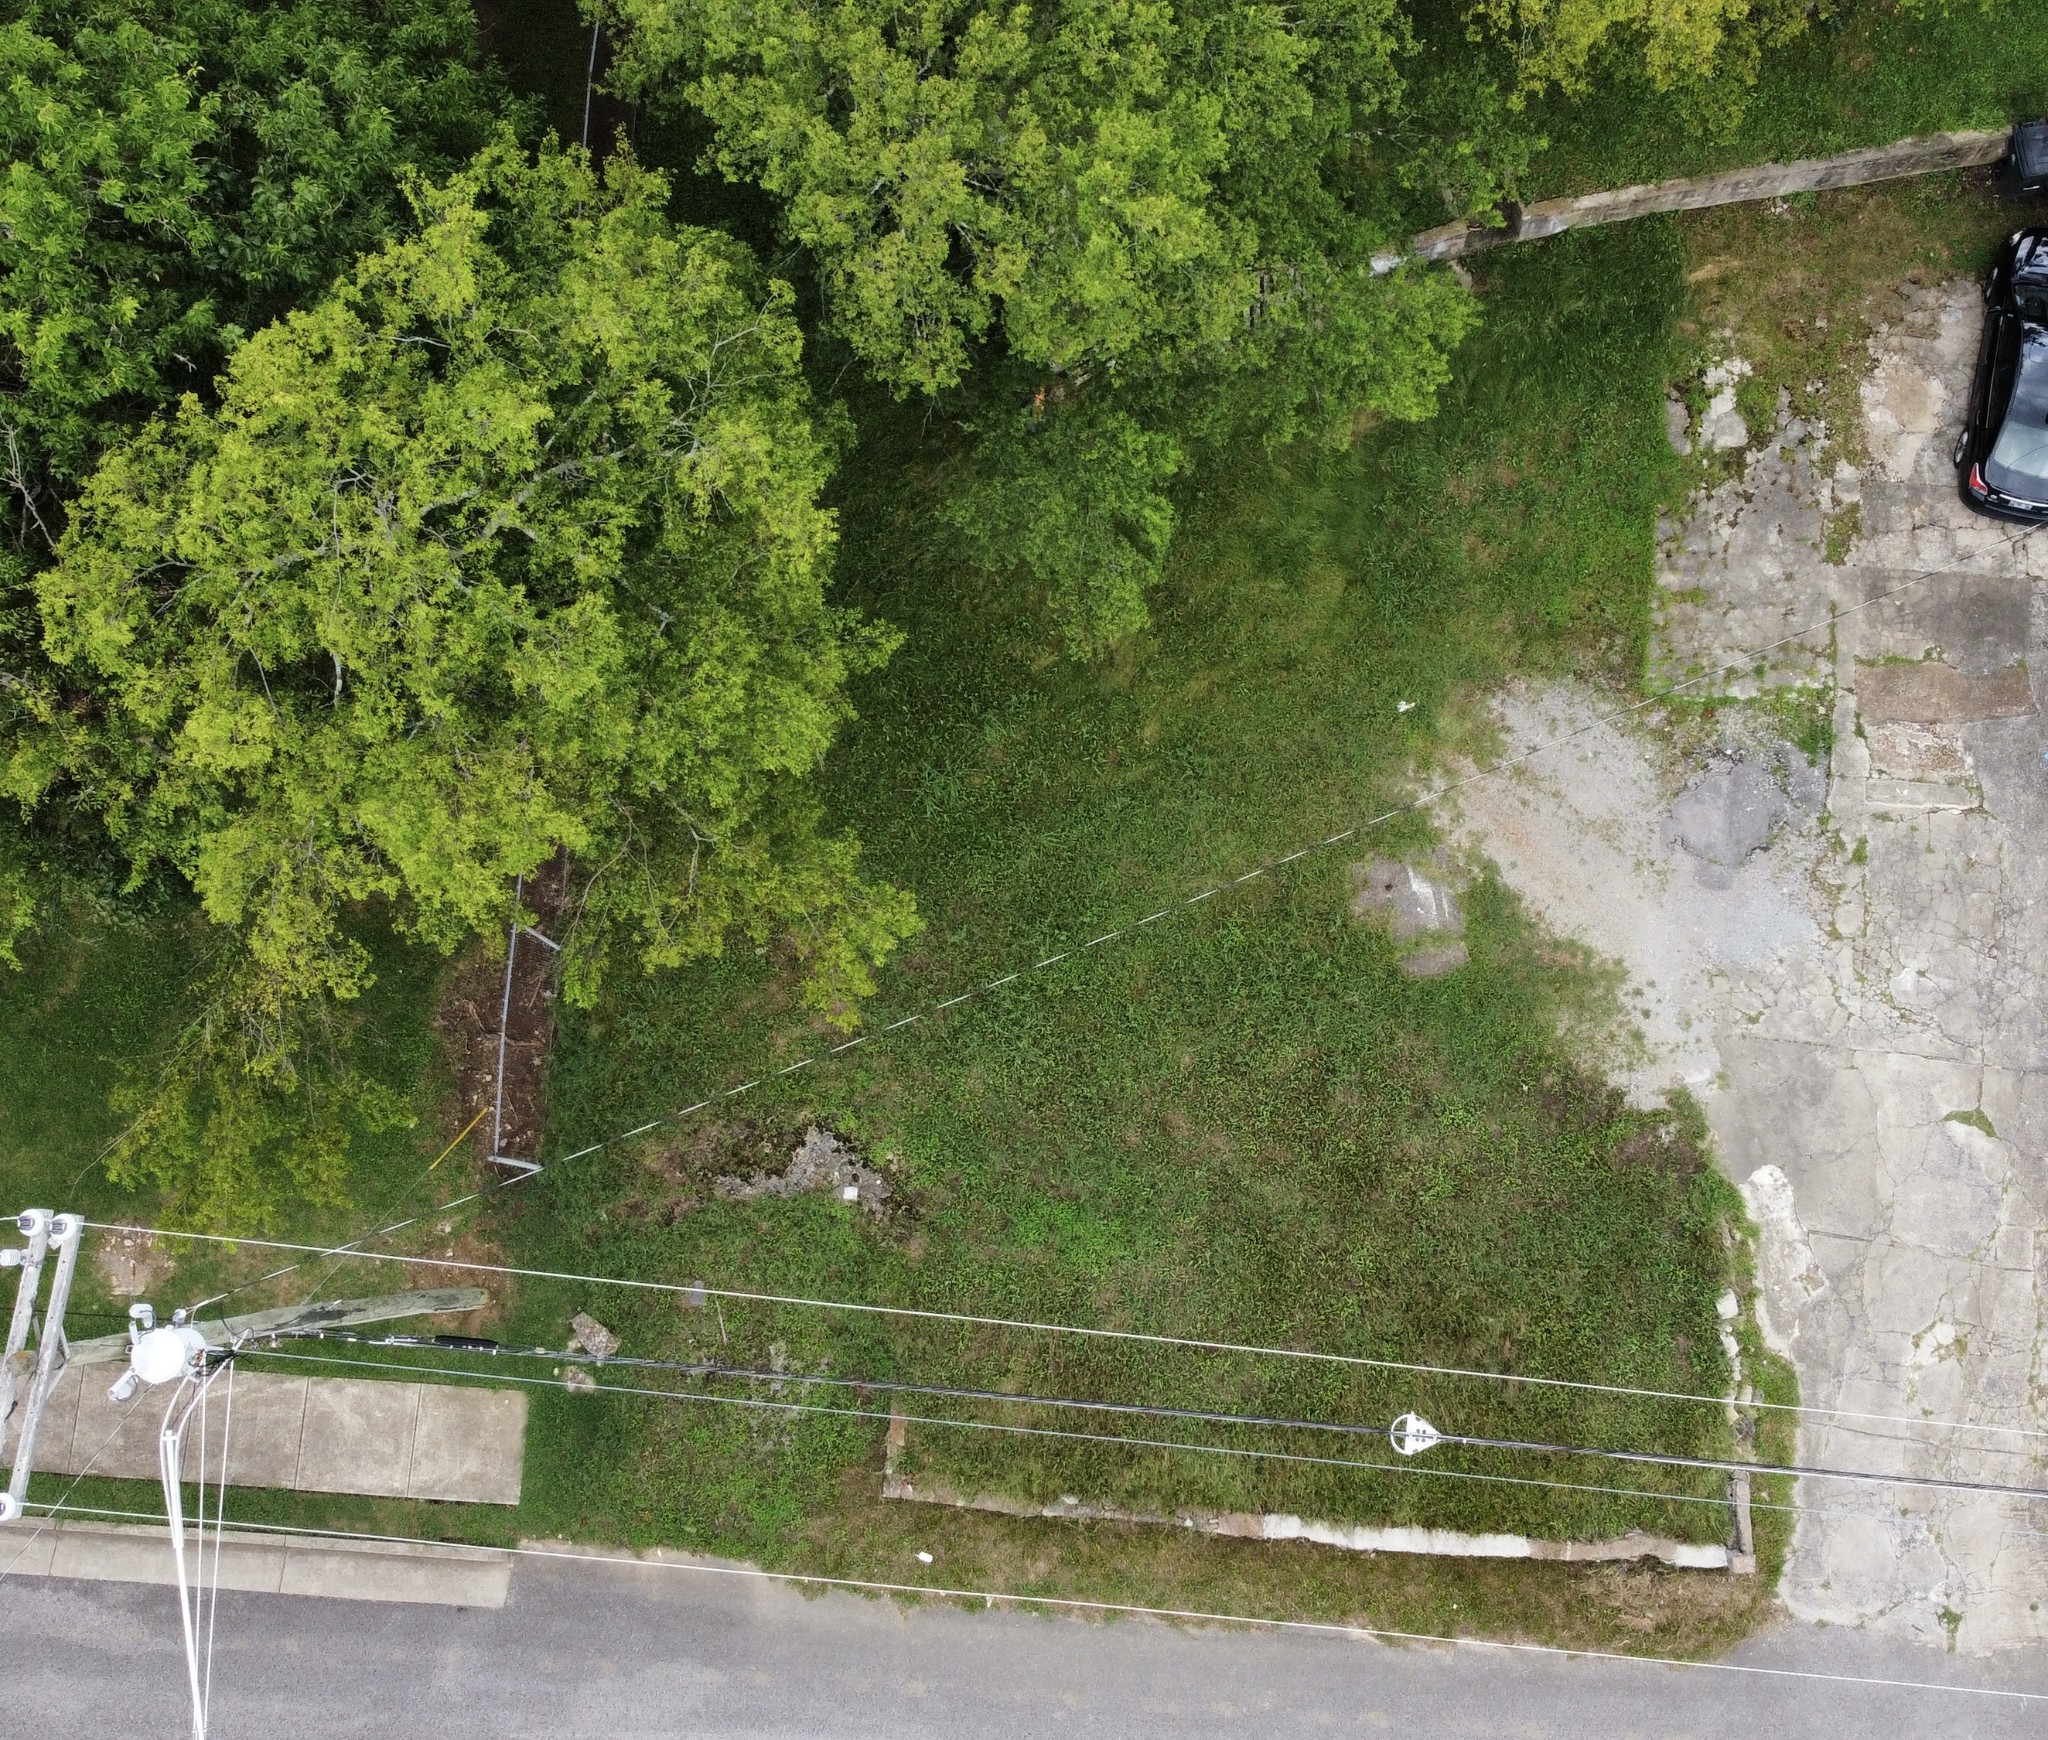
(1010, 1429)
(90, 1462)
(1654, 1458)
(1742, 661)
(1190, 1615)
(1143, 1337)
(776, 1377)
(315, 1252)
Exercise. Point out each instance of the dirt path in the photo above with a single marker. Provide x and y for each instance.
(1862, 1004)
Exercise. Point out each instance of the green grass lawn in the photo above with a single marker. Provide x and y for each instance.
(1868, 76)
(1243, 1123)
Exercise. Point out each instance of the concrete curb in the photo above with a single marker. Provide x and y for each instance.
(264, 1564)
(1352, 1537)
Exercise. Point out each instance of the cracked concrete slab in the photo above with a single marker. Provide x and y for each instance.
(1864, 1009)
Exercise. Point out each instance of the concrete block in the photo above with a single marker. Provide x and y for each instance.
(116, 1439)
(358, 1436)
(263, 1433)
(30, 1555)
(469, 1445)
(266, 1564)
(60, 1425)
(1907, 794)
(144, 1556)
(456, 1443)
(119, 1439)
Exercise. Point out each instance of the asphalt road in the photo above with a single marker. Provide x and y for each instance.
(633, 1652)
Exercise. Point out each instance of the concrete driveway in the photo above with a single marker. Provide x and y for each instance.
(1862, 1001)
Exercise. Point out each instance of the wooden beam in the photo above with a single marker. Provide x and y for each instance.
(1908, 157)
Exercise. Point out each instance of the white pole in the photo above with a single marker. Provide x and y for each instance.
(169, 1450)
(35, 1227)
(505, 1018)
(66, 1233)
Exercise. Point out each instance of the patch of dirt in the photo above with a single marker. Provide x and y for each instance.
(482, 1000)
(1582, 834)
(133, 1265)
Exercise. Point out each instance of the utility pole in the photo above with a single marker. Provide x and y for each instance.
(35, 1227)
(43, 1229)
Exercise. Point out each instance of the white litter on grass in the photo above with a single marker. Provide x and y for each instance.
(924, 1558)
(851, 1193)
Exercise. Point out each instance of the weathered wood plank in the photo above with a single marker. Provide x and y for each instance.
(1923, 156)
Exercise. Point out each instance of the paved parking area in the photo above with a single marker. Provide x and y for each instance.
(1862, 1005)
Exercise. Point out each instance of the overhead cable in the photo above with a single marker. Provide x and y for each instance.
(697, 1290)
(1654, 1458)
(1187, 1615)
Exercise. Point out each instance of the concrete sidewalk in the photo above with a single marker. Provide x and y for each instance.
(451, 1442)
(264, 1564)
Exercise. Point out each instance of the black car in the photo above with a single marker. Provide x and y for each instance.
(2002, 455)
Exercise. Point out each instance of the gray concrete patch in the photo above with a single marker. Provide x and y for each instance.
(461, 1442)
(1933, 693)
(358, 1436)
(1728, 813)
(1677, 425)
(454, 1442)
(1860, 1009)
(1418, 909)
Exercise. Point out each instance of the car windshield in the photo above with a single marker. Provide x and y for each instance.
(2018, 461)
(2030, 297)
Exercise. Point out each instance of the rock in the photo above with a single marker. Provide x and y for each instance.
(1417, 905)
(576, 1378)
(824, 1161)
(1727, 814)
(1721, 426)
(592, 1336)
(1678, 426)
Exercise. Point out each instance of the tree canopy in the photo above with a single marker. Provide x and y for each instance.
(1139, 216)
(180, 172)
(509, 543)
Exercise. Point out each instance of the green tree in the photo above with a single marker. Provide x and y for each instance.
(179, 172)
(176, 173)
(510, 543)
(1142, 218)
(1675, 42)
